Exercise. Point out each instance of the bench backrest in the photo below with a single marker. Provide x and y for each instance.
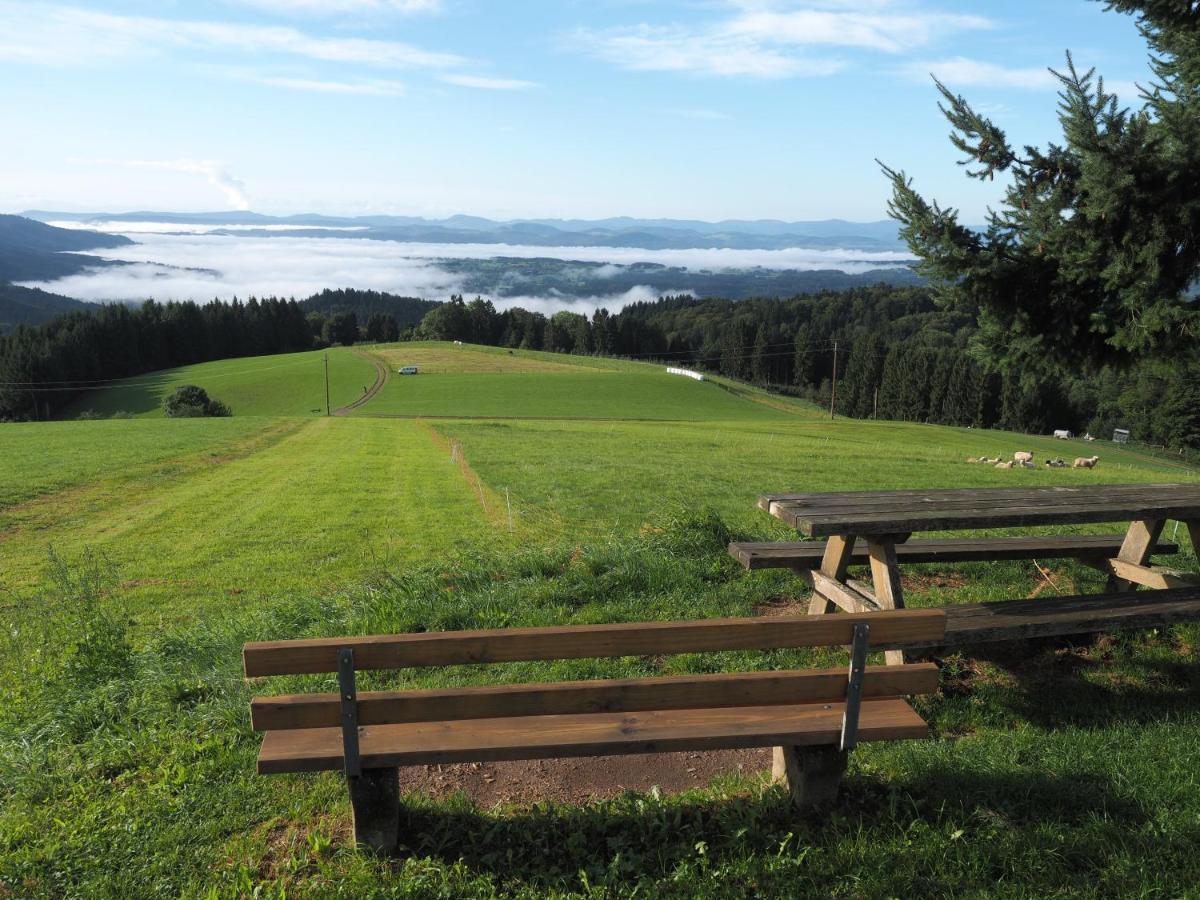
(888, 630)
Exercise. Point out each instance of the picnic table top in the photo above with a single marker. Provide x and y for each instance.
(903, 512)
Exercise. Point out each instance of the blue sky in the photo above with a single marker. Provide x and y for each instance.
(707, 109)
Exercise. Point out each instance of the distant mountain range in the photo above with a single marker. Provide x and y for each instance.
(32, 251)
(623, 231)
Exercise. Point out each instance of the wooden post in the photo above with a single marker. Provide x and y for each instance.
(834, 564)
(833, 390)
(1193, 527)
(1137, 548)
(885, 574)
(375, 799)
(812, 774)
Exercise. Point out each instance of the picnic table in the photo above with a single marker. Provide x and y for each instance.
(885, 520)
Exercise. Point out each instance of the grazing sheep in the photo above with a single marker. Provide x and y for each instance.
(1086, 462)
(1057, 463)
(1022, 456)
(1004, 465)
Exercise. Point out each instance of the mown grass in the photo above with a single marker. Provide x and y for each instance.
(310, 504)
(288, 384)
(567, 394)
(37, 458)
(126, 768)
(126, 759)
(601, 476)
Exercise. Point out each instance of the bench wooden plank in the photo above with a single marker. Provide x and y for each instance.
(578, 697)
(807, 554)
(850, 599)
(543, 737)
(444, 648)
(1008, 620)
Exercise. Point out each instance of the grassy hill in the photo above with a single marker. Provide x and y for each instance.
(137, 556)
(476, 382)
(288, 384)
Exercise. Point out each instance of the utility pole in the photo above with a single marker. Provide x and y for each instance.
(327, 384)
(833, 392)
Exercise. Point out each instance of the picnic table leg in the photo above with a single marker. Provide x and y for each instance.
(814, 774)
(1193, 527)
(1137, 548)
(834, 564)
(885, 574)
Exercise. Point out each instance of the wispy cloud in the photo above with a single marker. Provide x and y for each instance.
(65, 35)
(334, 7)
(961, 71)
(320, 86)
(775, 39)
(487, 83)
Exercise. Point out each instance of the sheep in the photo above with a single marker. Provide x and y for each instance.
(974, 459)
(1004, 465)
(1023, 456)
(1086, 462)
(1057, 463)
(1027, 464)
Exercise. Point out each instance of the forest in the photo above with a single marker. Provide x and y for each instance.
(900, 355)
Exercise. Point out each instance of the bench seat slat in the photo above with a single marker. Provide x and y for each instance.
(807, 554)
(445, 648)
(573, 697)
(1007, 620)
(542, 737)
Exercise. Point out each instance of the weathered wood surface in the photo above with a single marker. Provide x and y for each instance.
(813, 775)
(843, 595)
(542, 737)
(445, 648)
(885, 575)
(1008, 620)
(892, 512)
(577, 697)
(1136, 549)
(835, 560)
(1157, 577)
(807, 554)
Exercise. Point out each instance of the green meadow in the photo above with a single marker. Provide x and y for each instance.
(289, 384)
(136, 556)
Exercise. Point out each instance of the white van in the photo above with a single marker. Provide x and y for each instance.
(408, 370)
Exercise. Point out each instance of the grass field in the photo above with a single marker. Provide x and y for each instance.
(137, 556)
(290, 384)
(300, 504)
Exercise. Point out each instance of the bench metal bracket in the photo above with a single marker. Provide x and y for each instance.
(858, 667)
(349, 696)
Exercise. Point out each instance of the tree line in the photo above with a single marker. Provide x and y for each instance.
(900, 355)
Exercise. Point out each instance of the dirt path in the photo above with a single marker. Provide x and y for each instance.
(383, 375)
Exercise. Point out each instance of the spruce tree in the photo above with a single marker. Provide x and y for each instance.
(1090, 255)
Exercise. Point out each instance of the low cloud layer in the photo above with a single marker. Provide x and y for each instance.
(200, 267)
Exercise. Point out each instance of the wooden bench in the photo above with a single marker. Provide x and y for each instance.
(1093, 549)
(812, 717)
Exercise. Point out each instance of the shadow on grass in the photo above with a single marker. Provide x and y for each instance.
(1080, 682)
(636, 838)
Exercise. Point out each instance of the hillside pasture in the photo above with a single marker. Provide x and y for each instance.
(140, 555)
(288, 384)
(301, 505)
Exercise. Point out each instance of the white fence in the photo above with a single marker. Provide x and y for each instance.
(686, 372)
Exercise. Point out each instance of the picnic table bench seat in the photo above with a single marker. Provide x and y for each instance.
(812, 717)
(1090, 548)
